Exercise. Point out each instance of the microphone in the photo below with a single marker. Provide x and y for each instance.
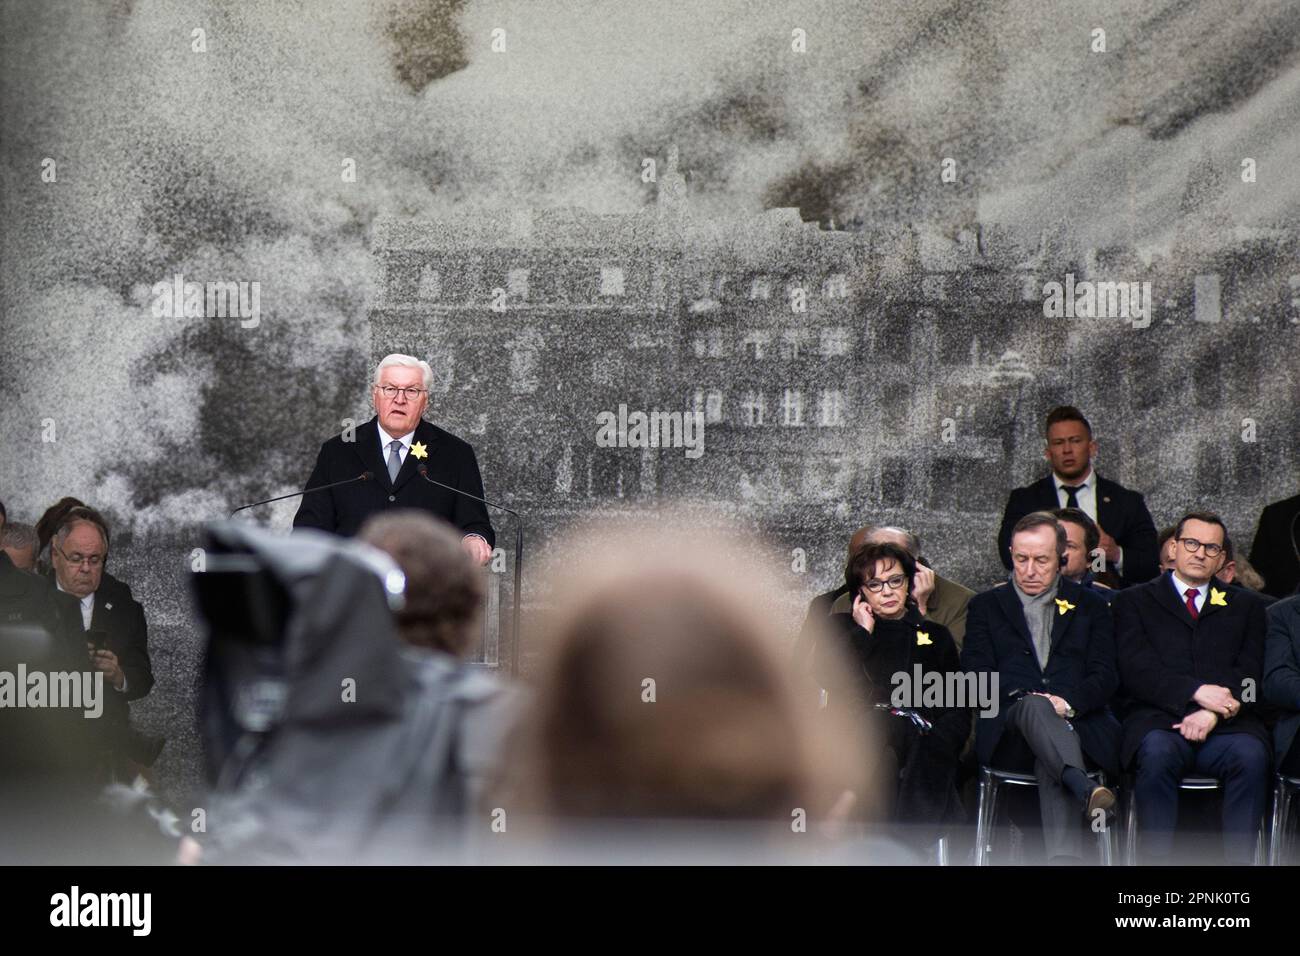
(423, 471)
(364, 476)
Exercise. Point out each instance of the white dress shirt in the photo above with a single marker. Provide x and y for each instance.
(1182, 587)
(1087, 498)
(386, 441)
(87, 606)
(87, 612)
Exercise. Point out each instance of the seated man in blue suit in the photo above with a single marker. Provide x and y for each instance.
(1282, 681)
(1050, 645)
(1191, 651)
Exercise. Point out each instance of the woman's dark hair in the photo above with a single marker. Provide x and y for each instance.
(866, 558)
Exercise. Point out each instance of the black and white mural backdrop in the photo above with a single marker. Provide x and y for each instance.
(854, 250)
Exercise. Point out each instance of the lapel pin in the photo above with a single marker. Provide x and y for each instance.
(418, 450)
(108, 607)
(1218, 598)
(923, 638)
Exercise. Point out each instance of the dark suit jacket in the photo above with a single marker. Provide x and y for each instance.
(858, 668)
(343, 510)
(120, 619)
(1122, 513)
(1164, 656)
(1080, 667)
(1273, 552)
(1282, 671)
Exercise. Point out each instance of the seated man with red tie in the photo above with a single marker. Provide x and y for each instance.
(1191, 651)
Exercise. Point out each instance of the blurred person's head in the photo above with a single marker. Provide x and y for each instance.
(1245, 575)
(444, 590)
(1200, 537)
(1070, 447)
(401, 392)
(664, 693)
(858, 539)
(78, 551)
(1227, 562)
(1038, 545)
(1166, 547)
(895, 535)
(1082, 537)
(18, 540)
(882, 573)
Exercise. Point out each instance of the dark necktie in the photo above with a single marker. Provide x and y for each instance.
(394, 459)
(1071, 492)
(1191, 602)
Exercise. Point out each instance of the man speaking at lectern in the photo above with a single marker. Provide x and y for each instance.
(392, 447)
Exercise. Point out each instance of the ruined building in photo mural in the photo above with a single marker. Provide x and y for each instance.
(842, 376)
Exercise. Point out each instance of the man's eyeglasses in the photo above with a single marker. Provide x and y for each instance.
(390, 392)
(875, 585)
(94, 560)
(1192, 546)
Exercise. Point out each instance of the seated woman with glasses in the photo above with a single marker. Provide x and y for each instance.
(895, 670)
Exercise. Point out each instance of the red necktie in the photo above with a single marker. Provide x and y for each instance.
(1191, 603)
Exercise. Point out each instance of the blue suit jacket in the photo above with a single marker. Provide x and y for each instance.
(1081, 666)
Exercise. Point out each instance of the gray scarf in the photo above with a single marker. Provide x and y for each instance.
(1039, 613)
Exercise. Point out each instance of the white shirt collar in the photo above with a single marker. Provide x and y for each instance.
(87, 602)
(1182, 587)
(386, 440)
(1081, 484)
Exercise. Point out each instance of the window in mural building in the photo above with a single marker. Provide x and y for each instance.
(1206, 380)
(792, 407)
(717, 343)
(752, 408)
(1248, 470)
(710, 403)
(607, 370)
(755, 344)
(760, 288)
(824, 478)
(1209, 468)
(893, 480)
(830, 408)
(834, 341)
(430, 283)
(611, 280)
(793, 341)
(517, 283)
(524, 369)
(442, 361)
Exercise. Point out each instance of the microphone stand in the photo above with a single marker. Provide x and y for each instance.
(364, 476)
(519, 562)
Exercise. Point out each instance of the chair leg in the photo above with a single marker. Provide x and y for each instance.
(985, 816)
(1130, 829)
(1281, 818)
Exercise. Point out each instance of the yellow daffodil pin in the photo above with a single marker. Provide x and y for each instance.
(1063, 605)
(419, 451)
(922, 638)
(1218, 598)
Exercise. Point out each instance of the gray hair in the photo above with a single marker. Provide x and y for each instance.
(79, 516)
(910, 541)
(18, 535)
(405, 361)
